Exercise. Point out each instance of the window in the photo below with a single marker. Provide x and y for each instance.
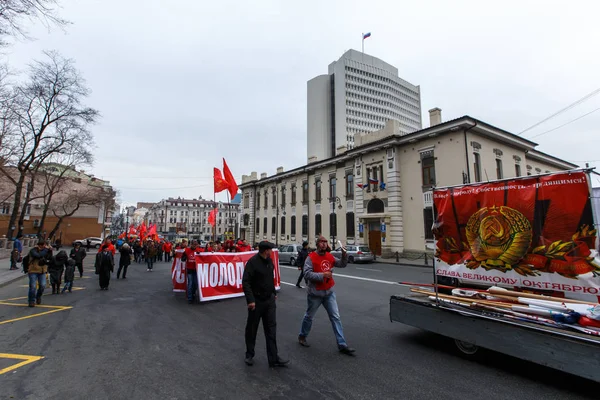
(318, 190)
(283, 225)
(498, 168)
(375, 181)
(274, 196)
(428, 168)
(349, 186)
(305, 225)
(332, 187)
(368, 177)
(266, 199)
(428, 219)
(381, 181)
(283, 197)
(293, 223)
(294, 194)
(305, 192)
(273, 225)
(333, 224)
(264, 225)
(350, 225)
(477, 167)
(318, 224)
(517, 170)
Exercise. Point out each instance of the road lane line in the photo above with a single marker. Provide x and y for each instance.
(33, 315)
(26, 360)
(354, 277)
(368, 269)
(286, 283)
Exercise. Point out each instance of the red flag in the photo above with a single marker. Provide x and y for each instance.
(152, 230)
(212, 217)
(233, 187)
(220, 183)
(132, 230)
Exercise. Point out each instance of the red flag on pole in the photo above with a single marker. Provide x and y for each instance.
(220, 183)
(233, 187)
(212, 217)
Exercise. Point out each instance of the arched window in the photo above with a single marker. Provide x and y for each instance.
(293, 225)
(318, 228)
(375, 206)
(282, 225)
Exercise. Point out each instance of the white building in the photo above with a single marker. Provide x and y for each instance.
(189, 218)
(337, 197)
(359, 94)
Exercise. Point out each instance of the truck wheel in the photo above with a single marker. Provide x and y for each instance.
(466, 349)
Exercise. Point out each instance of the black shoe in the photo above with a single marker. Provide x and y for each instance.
(249, 361)
(31, 304)
(38, 300)
(279, 363)
(190, 301)
(303, 342)
(298, 286)
(347, 350)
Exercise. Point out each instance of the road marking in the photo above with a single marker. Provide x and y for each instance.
(26, 360)
(54, 309)
(355, 277)
(74, 288)
(369, 269)
(290, 284)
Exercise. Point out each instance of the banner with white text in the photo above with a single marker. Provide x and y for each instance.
(533, 233)
(178, 273)
(220, 274)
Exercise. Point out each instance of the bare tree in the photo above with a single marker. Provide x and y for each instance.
(45, 118)
(15, 13)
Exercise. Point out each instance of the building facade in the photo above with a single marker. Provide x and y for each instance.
(359, 94)
(380, 192)
(189, 218)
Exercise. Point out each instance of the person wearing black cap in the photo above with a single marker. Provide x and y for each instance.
(302, 254)
(259, 288)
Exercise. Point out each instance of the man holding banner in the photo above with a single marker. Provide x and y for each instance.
(259, 289)
(189, 257)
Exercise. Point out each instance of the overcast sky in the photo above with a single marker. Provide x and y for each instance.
(181, 84)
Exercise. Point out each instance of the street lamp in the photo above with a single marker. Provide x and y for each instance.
(335, 200)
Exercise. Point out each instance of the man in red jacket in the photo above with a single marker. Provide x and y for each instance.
(318, 269)
(189, 257)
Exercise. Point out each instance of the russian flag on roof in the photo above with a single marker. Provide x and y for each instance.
(366, 35)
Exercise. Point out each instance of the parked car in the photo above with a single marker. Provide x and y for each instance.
(94, 242)
(288, 253)
(355, 254)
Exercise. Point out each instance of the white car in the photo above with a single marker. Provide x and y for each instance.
(94, 242)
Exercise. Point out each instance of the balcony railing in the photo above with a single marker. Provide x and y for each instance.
(428, 199)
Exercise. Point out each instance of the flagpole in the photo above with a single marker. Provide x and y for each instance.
(215, 225)
(363, 42)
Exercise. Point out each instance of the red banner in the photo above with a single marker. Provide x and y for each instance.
(535, 233)
(219, 274)
(178, 275)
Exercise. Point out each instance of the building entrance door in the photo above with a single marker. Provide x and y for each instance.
(375, 238)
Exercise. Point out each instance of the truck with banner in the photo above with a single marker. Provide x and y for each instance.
(219, 274)
(526, 240)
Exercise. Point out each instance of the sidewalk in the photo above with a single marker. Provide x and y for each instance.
(7, 276)
(411, 262)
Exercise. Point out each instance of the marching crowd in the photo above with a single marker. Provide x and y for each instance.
(258, 279)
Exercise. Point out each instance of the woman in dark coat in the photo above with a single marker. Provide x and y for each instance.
(56, 267)
(124, 261)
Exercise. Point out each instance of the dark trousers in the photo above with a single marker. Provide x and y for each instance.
(265, 310)
(80, 268)
(167, 257)
(122, 267)
(300, 277)
(104, 277)
(192, 284)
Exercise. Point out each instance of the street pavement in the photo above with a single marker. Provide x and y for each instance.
(138, 340)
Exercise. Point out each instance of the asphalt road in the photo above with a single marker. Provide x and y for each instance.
(140, 341)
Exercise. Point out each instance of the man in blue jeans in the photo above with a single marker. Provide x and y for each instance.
(318, 273)
(191, 269)
(38, 266)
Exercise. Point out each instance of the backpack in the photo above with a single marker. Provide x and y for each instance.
(26, 264)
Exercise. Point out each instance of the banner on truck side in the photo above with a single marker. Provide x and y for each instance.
(535, 233)
(219, 274)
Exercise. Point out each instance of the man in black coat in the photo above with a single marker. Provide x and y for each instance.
(302, 254)
(78, 254)
(259, 288)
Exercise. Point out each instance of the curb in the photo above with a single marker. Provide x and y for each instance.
(11, 280)
(403, 264)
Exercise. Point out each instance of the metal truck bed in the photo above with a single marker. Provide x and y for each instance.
(572, 352)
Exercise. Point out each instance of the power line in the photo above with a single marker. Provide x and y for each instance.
(567, 123)
(581, 100)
